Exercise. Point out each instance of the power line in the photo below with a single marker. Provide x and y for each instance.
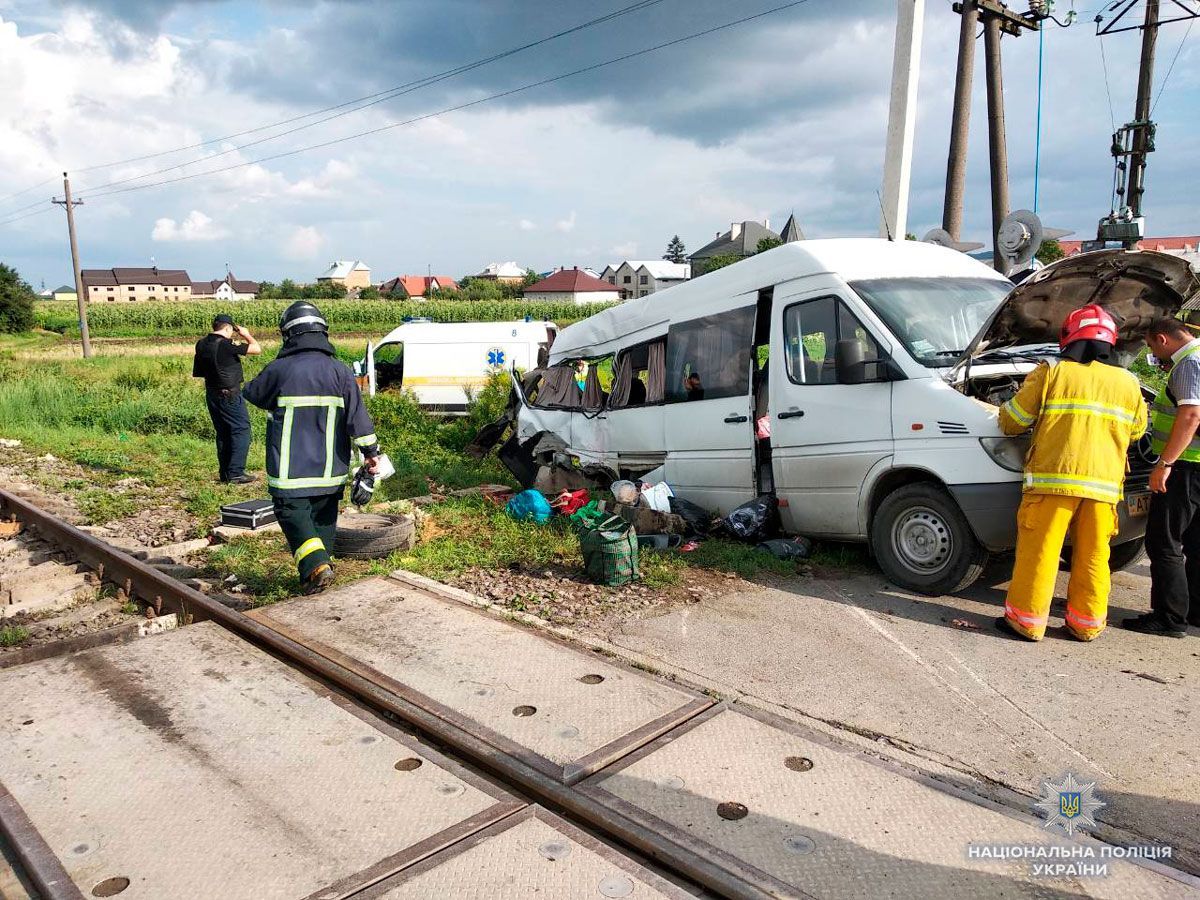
(1162, 87)
(29, 215)
(357, 103)
(545, 81)
(1112, 117)
(8, 197)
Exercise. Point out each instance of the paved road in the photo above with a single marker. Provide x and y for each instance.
(930, 680)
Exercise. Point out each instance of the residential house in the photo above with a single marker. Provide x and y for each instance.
(131, 285)
(638, 277)
(63, 292)
(353, 273)
(508, 272)
(417, 285)
(740, 240)
(791, 231)
(1187, 246)
(572, 286)
(227, 288)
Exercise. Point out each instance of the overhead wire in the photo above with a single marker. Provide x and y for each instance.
(1171, 68)
(28, 215)
(357, 103)
(1112, 117)
(34, 187)
(96, 193)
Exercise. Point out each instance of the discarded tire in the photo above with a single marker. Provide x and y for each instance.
(370, 536)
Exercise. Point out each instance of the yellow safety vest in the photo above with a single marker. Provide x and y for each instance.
(1083, 417)
(1163, 420)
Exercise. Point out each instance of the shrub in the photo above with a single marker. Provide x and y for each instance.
(16, 301)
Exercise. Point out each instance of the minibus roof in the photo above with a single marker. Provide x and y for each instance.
(850, 259)
(466, 332)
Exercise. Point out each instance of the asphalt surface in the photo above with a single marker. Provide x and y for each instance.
(931, 681)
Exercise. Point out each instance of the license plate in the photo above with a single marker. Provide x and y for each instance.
(1138, 504)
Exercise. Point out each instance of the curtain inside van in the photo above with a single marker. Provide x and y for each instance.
(560, 389)
(622, 381)
(593, 393)
(656, 372)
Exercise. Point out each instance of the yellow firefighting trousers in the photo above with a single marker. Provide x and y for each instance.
(1044, 520)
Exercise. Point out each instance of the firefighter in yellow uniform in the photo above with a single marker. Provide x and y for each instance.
(1084, 410)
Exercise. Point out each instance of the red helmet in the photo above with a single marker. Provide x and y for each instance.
(1088, 323)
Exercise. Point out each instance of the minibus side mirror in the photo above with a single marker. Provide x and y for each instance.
(852, 366)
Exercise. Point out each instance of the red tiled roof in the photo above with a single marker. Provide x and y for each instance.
(418, 285)
(1185, 242)
(569, 281)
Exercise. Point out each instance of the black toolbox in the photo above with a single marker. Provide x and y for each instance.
(250, 514)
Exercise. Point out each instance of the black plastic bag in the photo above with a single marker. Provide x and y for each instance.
(699, 519)
(787, 548)
(754, 521)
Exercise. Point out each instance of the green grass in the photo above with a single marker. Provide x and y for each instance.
(13, 635)
(157, 319)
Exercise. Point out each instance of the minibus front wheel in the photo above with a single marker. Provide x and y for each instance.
(923, 541)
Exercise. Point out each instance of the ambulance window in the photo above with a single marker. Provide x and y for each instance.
(709, 358)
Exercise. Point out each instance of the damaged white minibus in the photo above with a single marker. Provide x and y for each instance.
(856, 379)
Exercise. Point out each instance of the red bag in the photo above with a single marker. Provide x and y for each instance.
(569, 502)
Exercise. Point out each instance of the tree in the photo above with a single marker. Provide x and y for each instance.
(768, 243)
(16, 301)
(1049, 252)
(720, 262)
(288, 290)
(909, 236)
(676, 252)
(370, 292)
(268, 290)
(531, 277)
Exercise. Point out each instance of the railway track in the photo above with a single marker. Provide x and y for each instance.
(393, 739)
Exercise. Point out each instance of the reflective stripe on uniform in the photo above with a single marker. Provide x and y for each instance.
(1162, 420)
(311, 401)
(285, 444)
(1108, 491)
(366, 440)
(1014, 409)
(1081, 406)
(330, 434)
(1083, 621)
(312, 545)
(1024, 618)
(297, 483)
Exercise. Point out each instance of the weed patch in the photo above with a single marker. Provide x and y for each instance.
(13, 635)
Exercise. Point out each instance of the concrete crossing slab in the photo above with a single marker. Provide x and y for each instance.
(799, 814)
(566, 712)
(193, 765)
(530, 854)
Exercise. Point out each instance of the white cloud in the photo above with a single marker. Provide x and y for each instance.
(526, 225)
(304, 243)
(196, 227)
(627, 250)
(566, 225)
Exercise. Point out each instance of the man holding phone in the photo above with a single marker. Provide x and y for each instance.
(219, 362)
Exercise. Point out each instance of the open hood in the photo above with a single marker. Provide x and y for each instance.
(1135, 286)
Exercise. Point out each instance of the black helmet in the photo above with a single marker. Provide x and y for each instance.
(301, 317)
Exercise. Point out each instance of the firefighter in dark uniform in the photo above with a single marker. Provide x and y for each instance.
(315, 416)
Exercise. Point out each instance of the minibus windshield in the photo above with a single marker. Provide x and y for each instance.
(935, 318)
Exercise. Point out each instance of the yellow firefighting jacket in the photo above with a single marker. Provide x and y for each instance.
(1083, 417)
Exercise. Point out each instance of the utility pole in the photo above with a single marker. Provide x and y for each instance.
(902, 118)
(1142, 139)
(1133, 141)
(960, 124)
(997, 20)
(80, 299)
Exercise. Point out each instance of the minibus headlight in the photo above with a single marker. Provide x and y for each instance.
(1007, 453)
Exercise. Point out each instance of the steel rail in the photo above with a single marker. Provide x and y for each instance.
(164, 592)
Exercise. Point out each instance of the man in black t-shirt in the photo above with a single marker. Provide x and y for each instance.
(218, 361)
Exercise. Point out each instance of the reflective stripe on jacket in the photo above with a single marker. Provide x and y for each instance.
(1162, 420)
(1083, 417)
(316, 414)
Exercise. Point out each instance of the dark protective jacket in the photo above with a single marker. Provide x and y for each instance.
(316, 413)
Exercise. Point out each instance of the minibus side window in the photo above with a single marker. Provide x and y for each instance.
(639, 375)
(709, 358)
(811, 331)
(558, 389)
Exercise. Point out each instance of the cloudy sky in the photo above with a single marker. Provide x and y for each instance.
(784, 113)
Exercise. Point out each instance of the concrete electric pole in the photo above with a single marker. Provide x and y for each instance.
(960, 124)
(1142, 143)
(80, 299)
(902, 118)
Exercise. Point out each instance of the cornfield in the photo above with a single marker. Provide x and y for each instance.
(140, 319)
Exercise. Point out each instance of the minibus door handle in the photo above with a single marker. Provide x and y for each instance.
(791, 414)
(735, 419)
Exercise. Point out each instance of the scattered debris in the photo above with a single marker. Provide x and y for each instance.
(964, 623)
(1148, 677)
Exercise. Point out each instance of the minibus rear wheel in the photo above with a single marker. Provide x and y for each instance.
(923, 541)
